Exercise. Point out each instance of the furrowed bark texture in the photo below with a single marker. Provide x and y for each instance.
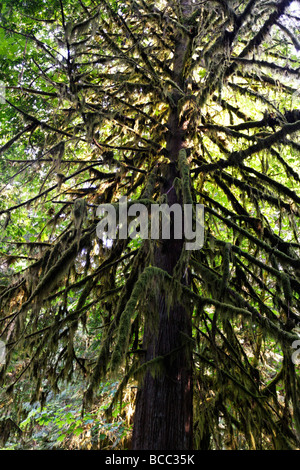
(163, 418)
(164, 414)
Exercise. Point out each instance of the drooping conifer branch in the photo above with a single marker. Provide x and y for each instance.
(173, 102)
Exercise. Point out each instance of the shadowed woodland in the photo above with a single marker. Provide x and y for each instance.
(142, 344)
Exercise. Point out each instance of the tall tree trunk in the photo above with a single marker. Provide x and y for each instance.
(163, 417)
(164, 408)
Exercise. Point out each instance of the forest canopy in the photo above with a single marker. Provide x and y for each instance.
(159, 102)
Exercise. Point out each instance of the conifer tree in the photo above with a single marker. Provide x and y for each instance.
(161, 102)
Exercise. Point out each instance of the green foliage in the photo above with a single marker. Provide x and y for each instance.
(167, 101)
(60, 424)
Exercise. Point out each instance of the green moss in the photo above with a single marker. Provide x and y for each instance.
(139, 291)
(185, 177)
(286, 287)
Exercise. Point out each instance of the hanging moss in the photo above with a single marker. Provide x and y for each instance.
(155, 366)
(177, 183)
(150, 184)
(226, 269)
(54, 275)
(126, 103)
(287, 290)
(138, 293)
(185, 176)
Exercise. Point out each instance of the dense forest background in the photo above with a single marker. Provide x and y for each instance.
(140, 343)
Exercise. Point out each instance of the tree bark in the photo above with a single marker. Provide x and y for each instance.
(163, 416)
(164, 407)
